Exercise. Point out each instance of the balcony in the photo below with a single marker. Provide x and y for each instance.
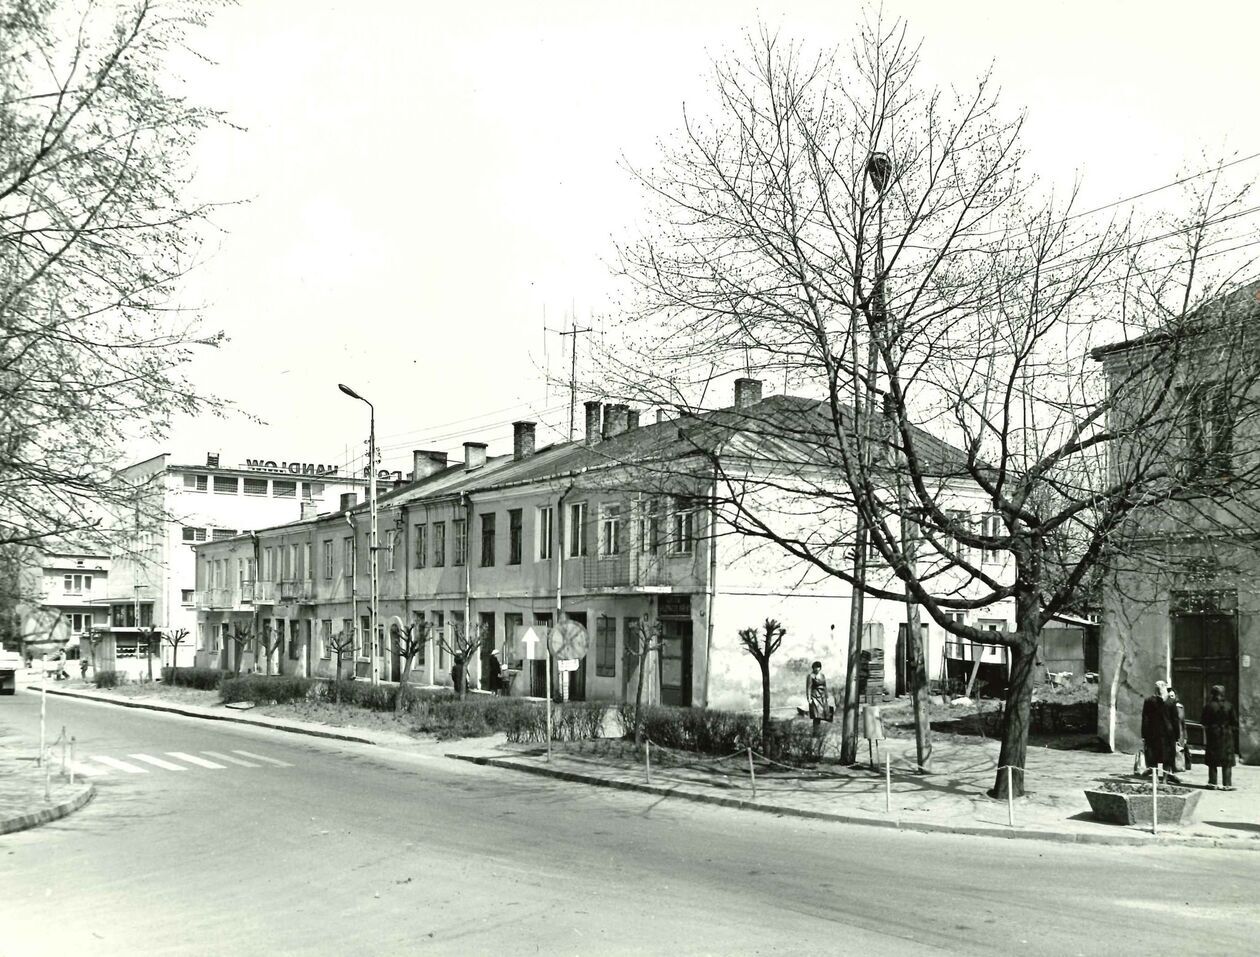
(300, 590)
(217, 599)
(635, 570)
(263, 592)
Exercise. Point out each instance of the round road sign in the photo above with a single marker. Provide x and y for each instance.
(567, 640)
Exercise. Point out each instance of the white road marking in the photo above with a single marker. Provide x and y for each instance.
(118, 765)
(259, 757)
(230, 760)
(193, 759)
(158, 762)
(87, 770)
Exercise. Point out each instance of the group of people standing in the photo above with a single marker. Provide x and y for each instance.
(1165, 744)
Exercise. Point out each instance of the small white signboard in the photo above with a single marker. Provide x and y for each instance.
(567, 664)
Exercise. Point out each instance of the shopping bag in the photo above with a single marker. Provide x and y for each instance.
(1189, 761)
(1179, 762)
(1139, 761)
(830, 714)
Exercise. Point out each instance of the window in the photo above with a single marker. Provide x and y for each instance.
(650, 527)
(76, 624)
(546, 531)
(347, 555)
(487, 539)
(437, 618)
(440, 545)
(308, 561)
(422, 554)
(186, 596)
(269, 565)
(226, 485)
(459, 531)
(576, 532)
(325, 630)
(281, 489)
(76, 584)
(963, 520)
(606, 647)
(610, 530)
(328, 558)
(1209, 440)
(683, 537)
(194, 482)
(193, 534)
(391, 550)
(255, 486)
(314, 489)
(514, 536)
(991, 527)
(219, 534)
(290, 563)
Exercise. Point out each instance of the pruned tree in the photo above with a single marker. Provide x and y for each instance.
(94, 638)
(761, 645)
(173, 639)
(644, 641)
(151, 638)
(462, 642)
(409, 641)
(342, 645)
(95, 236)
(880, 245)
(242, 639)
(270, 640)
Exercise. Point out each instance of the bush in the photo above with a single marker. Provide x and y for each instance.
(700, 729)
(109, 679)
(205, 679)
(263, 689)
(359, 694)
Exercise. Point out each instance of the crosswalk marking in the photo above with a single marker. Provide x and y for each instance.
(158, 762)
(118, 765)
(87, 770)
(259, 757)
(193, 759)
(230, 760)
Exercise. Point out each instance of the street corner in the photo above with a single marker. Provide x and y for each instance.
(34, 811)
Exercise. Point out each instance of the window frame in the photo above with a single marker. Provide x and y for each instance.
(575, 531)
(439, 546)
(516, 535)
(421, 544)
(545, 526)
(488, 538)
(611, 516)
(606, 647)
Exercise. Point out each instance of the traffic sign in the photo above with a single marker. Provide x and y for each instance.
(530, 644)
(567, 640)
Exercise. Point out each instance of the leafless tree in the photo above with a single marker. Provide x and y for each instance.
(463, 643)
(409, 642)
(881, 246)
(94, 237)
(342, 644)
(270, 640)
(173, 639)
(643, 642)
(242, 639)
(761, 645)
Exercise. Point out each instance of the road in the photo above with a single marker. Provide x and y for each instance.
(321, 847)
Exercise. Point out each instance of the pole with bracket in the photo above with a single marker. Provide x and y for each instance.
(752, 774)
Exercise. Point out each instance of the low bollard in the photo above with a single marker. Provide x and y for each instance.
(62, 739)
(752, 775)
(72, 761)
(1010, 799)
(647, 759)
(887, 782)
(1159, 769)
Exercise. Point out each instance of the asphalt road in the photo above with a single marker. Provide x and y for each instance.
(328, 848)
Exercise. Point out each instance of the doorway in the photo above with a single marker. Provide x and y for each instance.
(1204, 653)
(675, 657)
(577, 679)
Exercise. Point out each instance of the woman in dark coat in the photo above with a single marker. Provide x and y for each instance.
(1220, 729)
(1159, 729)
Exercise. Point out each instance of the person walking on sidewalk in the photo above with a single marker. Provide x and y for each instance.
(816, 695)
(1220, 729)
(1159, 729)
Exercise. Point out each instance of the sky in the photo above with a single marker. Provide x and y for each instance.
(428, 192)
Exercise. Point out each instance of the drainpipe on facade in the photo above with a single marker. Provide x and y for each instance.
(406, 600)
(468, 528)
(710, 592)
(354, 594)
(257, 618)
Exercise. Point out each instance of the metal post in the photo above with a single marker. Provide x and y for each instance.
(647, 758)
(43, 711)
(1159, 769)
(62, 739)
(72, 761)
(375, 559)
(1010, 798)
(549, 699)
(887, 782)
(752, 775)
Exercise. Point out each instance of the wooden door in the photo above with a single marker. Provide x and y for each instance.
(1204, 653)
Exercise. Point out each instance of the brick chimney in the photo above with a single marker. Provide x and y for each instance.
(592, 422)
(632, 419)
(212, 460)
(747, 392)
(474, 455)
(348, 500)
(424, 462)
(615, 420)
(522, 440)
(309, 510)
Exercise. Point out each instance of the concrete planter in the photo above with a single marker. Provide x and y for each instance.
(1131, 804)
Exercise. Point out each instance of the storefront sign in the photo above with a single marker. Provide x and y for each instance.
(292, 468)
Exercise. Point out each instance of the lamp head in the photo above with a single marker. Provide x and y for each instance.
(879, 169)
(349, 391)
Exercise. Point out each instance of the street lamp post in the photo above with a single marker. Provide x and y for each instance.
(371, 471)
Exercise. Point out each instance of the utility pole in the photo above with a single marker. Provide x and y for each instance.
(573, 331)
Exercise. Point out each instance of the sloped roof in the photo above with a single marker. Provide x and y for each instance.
(1238, 306)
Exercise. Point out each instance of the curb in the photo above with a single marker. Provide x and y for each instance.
(1060, 837)
(234, 719)
(21, 822)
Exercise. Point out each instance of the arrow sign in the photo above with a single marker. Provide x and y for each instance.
(529, 644)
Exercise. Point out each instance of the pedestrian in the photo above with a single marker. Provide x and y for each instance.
(457, 673)
(494, 673)
(816, 695)
(82, 667)
(1182, 755)
(1220, 730)
(1159, 729)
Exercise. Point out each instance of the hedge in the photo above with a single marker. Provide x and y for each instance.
(264, 689)
(205, 679)
(108, 679)
(708, 731)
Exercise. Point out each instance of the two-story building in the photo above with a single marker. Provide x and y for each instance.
(607, 531)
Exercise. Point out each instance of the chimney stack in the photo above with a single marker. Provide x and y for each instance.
(212, 460)
(425, 462)
(632, 419)
(747, 392)
(348, 500)
(660, 416)
(592, 422)
(615, 420)
(309, 510)
(474, 455)
(522, 440)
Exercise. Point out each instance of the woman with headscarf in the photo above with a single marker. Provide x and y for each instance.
(1220, 731)
(816, 695)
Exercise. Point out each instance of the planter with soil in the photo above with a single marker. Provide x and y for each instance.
(1122, 803)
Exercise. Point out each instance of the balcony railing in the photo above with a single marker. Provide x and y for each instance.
(216, 599)
(264, 592)
(639, 570)
(297, 589)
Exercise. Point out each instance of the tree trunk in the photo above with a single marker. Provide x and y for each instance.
(849, 720)
(1016, 718)
(402, 688)
(638, 699)
(764, 662)
(175, 663)
(919, 687)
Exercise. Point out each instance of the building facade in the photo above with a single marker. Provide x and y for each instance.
(71, 601)
(572, 531)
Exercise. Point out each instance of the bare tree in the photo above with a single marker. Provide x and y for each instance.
(342, 644)
(462, 642)
(881, 246)
(270, 640)
(151, 638)
(761, 645)
(409, 641)
(643, 642)
(173, 639)
(242, 639)
(94, 237)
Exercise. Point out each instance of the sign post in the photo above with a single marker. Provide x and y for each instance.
(566, 641)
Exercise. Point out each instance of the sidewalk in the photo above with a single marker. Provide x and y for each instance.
(22, 803)
(952, 799)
